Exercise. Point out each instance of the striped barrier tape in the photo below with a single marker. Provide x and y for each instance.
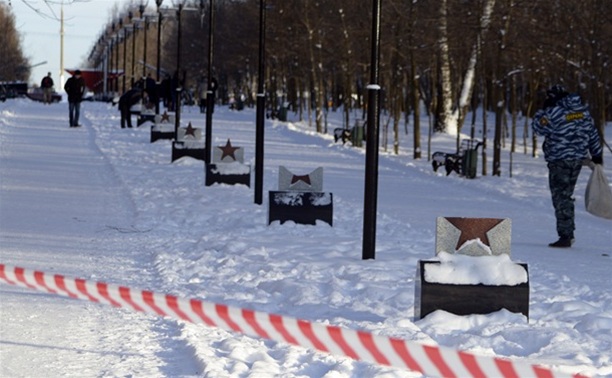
(432, 361)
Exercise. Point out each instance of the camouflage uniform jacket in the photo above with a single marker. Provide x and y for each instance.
(568, 130)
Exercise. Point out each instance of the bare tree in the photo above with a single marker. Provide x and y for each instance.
(435, 54)
(14, 66)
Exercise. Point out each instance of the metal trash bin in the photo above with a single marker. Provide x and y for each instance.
(282, 114)
(357, 133)
(469, 163)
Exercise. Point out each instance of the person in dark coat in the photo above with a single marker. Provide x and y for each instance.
(47, 86)
(174, 86)
(75, 88)
(126, 101)
(166, 91)
(150, 86)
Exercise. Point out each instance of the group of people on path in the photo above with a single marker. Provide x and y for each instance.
(150, 94)
(143, 91)
(75, 90)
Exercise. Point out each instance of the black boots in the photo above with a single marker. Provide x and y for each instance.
(563, 242)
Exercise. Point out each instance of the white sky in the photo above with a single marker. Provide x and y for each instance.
(83, 22)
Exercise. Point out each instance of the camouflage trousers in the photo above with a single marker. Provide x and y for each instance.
(562, 177)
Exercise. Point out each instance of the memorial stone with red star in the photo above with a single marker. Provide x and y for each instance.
(473, 236)
(228, 154)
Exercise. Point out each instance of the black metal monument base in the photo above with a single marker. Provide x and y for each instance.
(300, 207)
(468, 299)
(214, 176)
(142, 118)
(179, 150)
(157, 135)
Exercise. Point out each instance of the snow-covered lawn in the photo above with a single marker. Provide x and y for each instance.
(105, 204)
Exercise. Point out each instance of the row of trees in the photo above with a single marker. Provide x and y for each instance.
(453, 56)
(14, 66)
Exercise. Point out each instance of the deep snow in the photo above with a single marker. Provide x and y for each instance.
(104, 204)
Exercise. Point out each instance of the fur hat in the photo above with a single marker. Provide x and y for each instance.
(556, 91)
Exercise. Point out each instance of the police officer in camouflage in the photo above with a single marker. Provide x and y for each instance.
(569, 137)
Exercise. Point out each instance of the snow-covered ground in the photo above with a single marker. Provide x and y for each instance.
(105, 204)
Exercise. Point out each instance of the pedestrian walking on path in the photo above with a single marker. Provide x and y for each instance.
(75, 89)
(47, 86)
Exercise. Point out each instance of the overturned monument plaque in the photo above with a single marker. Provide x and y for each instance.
(188, 143)
(228, 166)
(300, 199)
(473, 273)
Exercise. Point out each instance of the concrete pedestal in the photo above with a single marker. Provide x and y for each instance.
(467, 299)
(300, 207)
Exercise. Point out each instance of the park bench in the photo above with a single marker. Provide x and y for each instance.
(463, 162)
(355, 134)
(341, 133)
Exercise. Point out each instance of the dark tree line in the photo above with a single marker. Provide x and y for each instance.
(14, 66)
(452, 56)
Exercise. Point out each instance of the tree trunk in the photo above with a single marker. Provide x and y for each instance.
(499, 96)
(446, 104)
(485, 104)
(469, 78)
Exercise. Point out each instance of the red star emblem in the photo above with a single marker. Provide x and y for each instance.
(228, 150)
(474, 228)
(304, 178)
(189, 130)
(165, 117)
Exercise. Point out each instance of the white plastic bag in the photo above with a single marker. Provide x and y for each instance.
(598, 195)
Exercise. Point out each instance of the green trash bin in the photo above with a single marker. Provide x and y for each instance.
(357, 134)
(470, 163)
(282, 114)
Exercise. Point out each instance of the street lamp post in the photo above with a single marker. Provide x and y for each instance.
(144, 54)
(113, 81)
(124, 51)
(261, 104)
(159, 25)
(133, 22)
(143, 18)
(210, 100)
(117, 68)
(371, 169)
(106, 64)
(177, 105)
(113, 64)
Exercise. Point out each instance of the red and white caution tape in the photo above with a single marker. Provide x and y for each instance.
(432, 361)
